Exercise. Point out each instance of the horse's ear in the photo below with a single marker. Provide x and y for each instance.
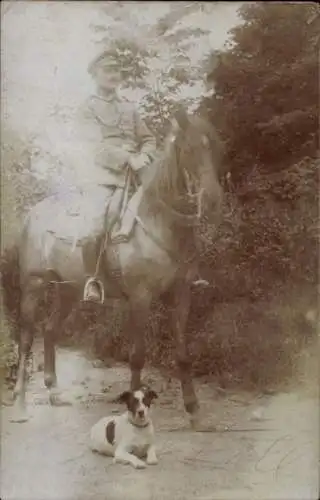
(182, 118)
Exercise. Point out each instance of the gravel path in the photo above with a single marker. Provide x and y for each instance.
(269, 451)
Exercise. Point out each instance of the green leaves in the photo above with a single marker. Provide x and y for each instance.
(157, 61)
(266, 84)
(265, 104)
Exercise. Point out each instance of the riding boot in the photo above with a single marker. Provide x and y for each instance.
(127, 223)
(93, 290)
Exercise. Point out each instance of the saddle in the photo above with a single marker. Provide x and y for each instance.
(93, 250)
(85, 215)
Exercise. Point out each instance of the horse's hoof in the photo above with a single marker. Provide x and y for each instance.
(195, 420)
(20, 419)
(55, 399)
(19, 415)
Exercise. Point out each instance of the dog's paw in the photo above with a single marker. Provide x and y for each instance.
(139, 464)
(152, 461)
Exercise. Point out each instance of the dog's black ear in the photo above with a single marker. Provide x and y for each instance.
(151, 395)
(124, 397)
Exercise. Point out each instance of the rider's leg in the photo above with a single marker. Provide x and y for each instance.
(128, 219)
(92, 250)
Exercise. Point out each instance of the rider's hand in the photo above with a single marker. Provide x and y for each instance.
(112, 158)
(139, 161)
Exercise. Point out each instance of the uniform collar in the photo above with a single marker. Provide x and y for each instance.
(114, 97)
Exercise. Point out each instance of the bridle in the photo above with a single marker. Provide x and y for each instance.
(194, 198)
(192, 195)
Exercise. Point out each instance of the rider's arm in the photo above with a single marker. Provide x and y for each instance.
(147, 143)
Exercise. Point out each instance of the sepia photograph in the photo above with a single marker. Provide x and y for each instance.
(159, 282)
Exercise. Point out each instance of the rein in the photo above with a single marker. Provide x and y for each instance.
(158, 242)
(184, 219)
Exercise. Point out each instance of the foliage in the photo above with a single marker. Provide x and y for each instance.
(19, 187)
(266, 88)
(156, 67)
(266, 107)
(8, 354)
(131, 59)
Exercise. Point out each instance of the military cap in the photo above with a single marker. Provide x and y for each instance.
(104, 60)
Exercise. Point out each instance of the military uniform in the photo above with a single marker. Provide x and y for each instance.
(124, 150)
(124, 136)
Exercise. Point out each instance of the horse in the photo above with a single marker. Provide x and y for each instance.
(182, 186)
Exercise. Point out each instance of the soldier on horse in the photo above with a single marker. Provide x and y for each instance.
(127, 149)
(54, 262)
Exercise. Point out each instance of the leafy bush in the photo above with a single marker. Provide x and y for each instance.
(20, 189)
(266, 88)
(266, 107)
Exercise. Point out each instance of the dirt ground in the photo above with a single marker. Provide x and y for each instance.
(265, 447)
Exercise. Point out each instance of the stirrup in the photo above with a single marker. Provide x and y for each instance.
(97, 283)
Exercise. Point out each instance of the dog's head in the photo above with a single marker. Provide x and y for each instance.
(138, 404)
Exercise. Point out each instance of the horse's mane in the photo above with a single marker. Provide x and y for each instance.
(217, 145)
(162, 180)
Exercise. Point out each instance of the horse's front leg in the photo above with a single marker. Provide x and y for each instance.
(180, 313)
(139, 312)
(31, 294)
(51, 328)
(50, 377)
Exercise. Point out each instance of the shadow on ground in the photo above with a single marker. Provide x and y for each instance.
(270, 449)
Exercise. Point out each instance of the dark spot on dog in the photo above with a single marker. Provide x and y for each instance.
(130, 400)
(110, 431)
(124, 397)
(149, 397)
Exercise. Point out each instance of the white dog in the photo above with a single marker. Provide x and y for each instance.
(128, 437)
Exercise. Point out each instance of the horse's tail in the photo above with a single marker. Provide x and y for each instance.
(10, 290)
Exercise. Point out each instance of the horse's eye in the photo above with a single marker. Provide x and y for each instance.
(205, 141)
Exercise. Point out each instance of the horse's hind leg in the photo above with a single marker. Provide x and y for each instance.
(28, 310)
(180, 312)
(19, 392)
(51, 326)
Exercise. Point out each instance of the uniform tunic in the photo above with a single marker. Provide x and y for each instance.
(122, 134)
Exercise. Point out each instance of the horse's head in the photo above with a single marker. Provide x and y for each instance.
(193, 153)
